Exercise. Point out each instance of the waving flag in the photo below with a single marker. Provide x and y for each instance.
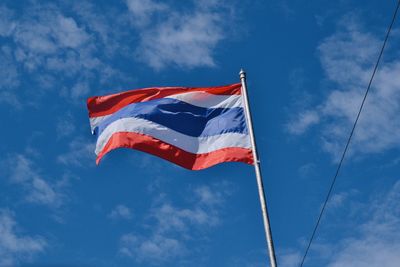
(192, 127)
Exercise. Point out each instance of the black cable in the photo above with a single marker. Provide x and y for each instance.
(351, 134)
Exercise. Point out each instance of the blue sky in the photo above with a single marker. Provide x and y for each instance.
(307, 63)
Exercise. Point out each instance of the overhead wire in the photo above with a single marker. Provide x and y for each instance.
(351, 135)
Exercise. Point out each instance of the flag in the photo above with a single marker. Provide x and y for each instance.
(195, 128)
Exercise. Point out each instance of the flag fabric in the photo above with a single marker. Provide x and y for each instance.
(195, 128)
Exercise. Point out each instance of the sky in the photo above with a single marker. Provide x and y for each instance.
(308, 64)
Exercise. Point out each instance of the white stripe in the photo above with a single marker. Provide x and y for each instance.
(196, 145)
(94, 122)
(206, 100)
(200, 99)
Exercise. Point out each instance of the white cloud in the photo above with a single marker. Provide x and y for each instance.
(376, 241)
(14, 247)
(186, 39)
(9, 77)
(9, 74)
(47, 36)
(65, 126)
(120, 212)
(370, 237)
(69, 34)
(171, 218)
(307, 170)
(253, 258)
(74, 46)
(347, 58)
(289, 259)
(109, 29)
(337, 200)
(157, 249)
(37, 190)
(210, 195)
(69, 47)
(172, 226)
(80, 153)
(143, 10)
(7, 25)
(80, 89)
(42, 192)
(303, 122)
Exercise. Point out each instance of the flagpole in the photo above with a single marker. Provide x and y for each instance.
(261, 192)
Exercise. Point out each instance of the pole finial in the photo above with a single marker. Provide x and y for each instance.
(242, 73)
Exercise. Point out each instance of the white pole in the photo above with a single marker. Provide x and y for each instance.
(267, 226)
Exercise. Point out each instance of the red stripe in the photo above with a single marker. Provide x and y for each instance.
(105, 105)
(174, 154)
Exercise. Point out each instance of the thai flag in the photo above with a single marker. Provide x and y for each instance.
(192, 127)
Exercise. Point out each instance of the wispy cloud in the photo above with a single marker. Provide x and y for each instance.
(47, 38)
(253, 258)
(120, 212)
(8, 77)
(347, 58)
(185, 38)
(209, 196)
(16, 248)
(375, 241)
(62, 46)
(174, 226)
(65, 126)
(156, 249)
(307, 170)
(143, 11)
(371, 238)
(22, 171)
(68, 49)
(290, 258)
(303, 122)
(80, 153)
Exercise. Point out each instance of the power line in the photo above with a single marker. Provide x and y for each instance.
(351, 134)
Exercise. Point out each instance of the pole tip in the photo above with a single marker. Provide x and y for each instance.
(242, 73)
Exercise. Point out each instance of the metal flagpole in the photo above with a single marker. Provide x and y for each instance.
(267, 226)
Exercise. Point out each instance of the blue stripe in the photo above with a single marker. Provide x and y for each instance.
(183, 117)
